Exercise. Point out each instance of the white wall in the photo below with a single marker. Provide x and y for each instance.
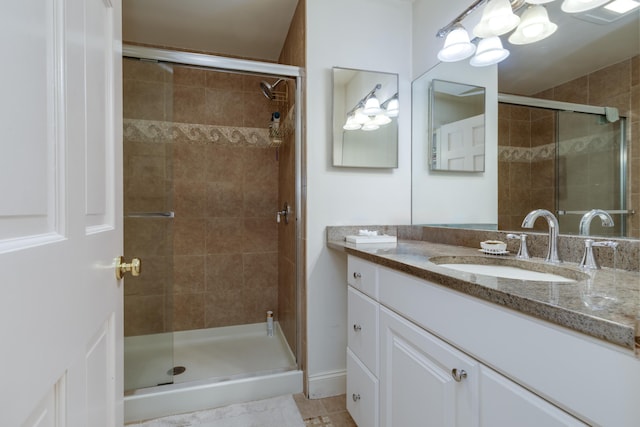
(337, 36)
(455, 197)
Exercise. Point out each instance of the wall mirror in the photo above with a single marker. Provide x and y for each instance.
(365, 118)
(456, 129)
(583, 63)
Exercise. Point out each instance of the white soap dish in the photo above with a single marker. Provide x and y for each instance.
(493, 245)
(494, 251)
(381, 238)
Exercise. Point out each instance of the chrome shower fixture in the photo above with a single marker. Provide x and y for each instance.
(268, 89)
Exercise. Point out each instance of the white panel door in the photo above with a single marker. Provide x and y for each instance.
(462, 145)
(60, 213)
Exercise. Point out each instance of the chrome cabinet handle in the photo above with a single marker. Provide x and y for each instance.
(355, 397)
(458, 375)
(356, 275)
(357, 328)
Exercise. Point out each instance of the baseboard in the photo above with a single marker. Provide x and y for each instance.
(326, 384)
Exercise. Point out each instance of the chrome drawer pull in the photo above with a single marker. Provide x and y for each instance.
(355, 397)
(357, 328)
(356, 275)
(458, 376)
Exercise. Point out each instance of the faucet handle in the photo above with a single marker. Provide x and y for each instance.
(589, 260)
(523, 251)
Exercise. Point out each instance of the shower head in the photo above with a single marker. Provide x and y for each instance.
(268, 89)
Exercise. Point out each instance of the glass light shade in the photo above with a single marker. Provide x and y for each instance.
(457, 46)
(393, 107)
(497, 19)
(351, 123)
(490, 51)
(372, 106)
(534, 26)
(577, 6)
(381, 119)
(370, 125)
(360, 117)
(538, 2)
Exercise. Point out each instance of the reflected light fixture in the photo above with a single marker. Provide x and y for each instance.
(351, 123)
(457, 45)
(372, 106)
(370, 125)
(391, 106)
(538, 1)
(381, 119)
(577, 6)
(497, 19)
(490, 51)
(534, 26)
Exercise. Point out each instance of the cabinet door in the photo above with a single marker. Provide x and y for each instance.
(362, 393)
(504, 403)
(418, 384)
(362, 332)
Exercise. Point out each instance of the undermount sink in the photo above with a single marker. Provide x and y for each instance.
(510, 269)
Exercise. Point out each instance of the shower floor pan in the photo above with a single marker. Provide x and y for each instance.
(222, 366)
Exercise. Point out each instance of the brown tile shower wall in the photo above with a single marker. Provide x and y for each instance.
(293, 53)
(223, 189)
(617, 86)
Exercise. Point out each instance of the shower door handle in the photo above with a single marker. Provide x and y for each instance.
(135, 267)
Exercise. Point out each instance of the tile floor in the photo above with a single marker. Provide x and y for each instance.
(327, 412)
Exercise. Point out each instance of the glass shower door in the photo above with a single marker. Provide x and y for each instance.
(591, 170)
(148, 222)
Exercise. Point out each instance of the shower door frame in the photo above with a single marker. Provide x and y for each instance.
(588, 109)
(258, 67)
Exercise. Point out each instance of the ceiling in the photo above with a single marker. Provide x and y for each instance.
(257, 29)
(253, 29)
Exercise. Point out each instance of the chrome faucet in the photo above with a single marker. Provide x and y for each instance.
(589, 260)
(585, 222)
(523, 251)
(554, 229)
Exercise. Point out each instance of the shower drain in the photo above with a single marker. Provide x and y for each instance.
(176, 370)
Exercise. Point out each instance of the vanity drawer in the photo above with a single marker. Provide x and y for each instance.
(363, 275)
(362, 393)
(362, 334)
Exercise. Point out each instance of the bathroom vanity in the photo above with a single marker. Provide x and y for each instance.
(426, 342)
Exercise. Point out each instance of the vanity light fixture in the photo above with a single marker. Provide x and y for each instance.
(538, 1)
(391, 106)
(369, 114)
(534, 26)
(490, 51)
(457, 45)
(351, 123)
(577, 6)
(497, 19)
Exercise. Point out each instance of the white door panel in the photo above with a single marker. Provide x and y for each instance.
(60, 221)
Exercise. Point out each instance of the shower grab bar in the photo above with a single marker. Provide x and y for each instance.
(628, 212)
(169, 214)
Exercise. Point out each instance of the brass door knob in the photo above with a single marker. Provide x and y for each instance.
(135, 266)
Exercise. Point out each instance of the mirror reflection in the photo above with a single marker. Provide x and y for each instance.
(576, 153)
(457, 127)
(365, 118)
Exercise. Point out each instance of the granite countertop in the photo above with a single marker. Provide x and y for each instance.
(603, 303)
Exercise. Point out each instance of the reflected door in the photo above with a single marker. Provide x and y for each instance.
(591, 165)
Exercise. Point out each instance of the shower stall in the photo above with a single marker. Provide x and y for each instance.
(564, 157)
(212, 207)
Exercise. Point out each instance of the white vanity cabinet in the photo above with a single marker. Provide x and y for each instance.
(362, 358)
(423, 380)
(424, 377)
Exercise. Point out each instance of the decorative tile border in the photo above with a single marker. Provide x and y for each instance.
(161, 132)
(591, 144)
